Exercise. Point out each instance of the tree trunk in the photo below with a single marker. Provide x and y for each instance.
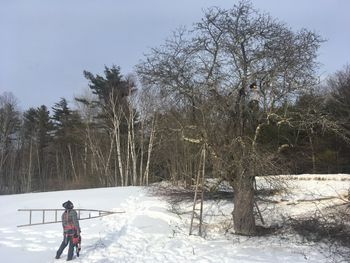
(127, 163)
(150, 147)
(119, 156)
(131, 136)
(29, 177)
(313, 156)
(142, 152)
(243, 213)
(72, 162)
(85, 158)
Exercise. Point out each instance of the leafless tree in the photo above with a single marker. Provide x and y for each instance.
(339, 99)
(231, 75)
(9, 124)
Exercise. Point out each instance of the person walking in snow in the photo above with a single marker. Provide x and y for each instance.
(71, 229)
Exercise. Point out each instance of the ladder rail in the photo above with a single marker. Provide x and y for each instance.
(195, 198)
(202, 194)
(199, 189)
(44, 211)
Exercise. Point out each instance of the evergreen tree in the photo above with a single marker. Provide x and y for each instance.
(113, 146)
(37, 128)
(67, 146)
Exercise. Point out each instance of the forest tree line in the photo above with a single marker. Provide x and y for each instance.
(238, 84)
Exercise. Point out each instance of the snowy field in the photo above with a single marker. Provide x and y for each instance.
(151, 231)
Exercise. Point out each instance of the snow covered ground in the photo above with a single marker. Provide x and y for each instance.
(150, 231)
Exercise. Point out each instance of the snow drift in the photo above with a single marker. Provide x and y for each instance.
(150, 232)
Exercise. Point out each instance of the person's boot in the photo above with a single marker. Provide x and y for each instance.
(70, 251)
(58, 255)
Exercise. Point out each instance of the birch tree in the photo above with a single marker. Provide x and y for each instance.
(117, 117)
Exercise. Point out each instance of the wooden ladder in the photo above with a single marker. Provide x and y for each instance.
(199, 194)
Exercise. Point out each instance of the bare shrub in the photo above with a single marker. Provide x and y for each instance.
(331, 228)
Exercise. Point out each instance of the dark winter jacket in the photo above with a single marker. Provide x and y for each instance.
(70, 222)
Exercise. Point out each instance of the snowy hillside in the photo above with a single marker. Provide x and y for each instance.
(149, 231)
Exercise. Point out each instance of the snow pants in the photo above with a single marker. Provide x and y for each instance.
(66, 240)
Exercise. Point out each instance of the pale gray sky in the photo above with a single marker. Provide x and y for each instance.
(46, 44)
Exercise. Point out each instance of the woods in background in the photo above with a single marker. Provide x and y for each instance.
(238, 83)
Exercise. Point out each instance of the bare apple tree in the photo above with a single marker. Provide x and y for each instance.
(230, 75)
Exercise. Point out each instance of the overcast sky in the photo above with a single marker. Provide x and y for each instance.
(46, 44)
